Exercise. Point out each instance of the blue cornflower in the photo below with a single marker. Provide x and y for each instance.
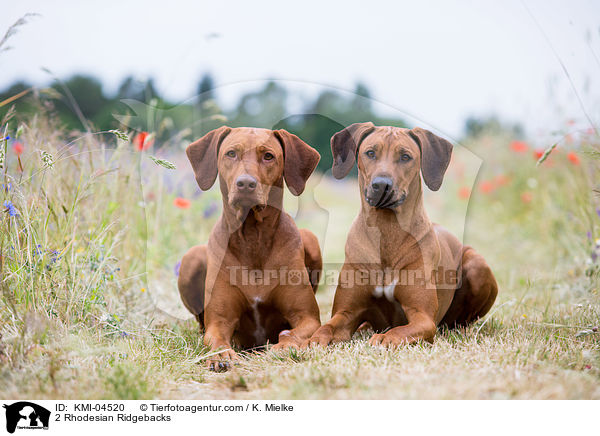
(10, 208)
(210, 210)
(7, 138)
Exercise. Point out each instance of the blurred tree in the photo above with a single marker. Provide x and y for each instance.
(206, 88)
(87, 92)
(262, 108)
(316, 130)
(476, 127)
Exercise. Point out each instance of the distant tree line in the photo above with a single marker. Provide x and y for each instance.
(81, 103)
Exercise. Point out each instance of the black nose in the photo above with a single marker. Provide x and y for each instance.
(381, 185)
(245, 183)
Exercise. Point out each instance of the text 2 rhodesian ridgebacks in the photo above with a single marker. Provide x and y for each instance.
(401, 272)
(254, 235)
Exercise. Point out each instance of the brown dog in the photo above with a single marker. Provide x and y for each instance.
(401, 271)
(241, 286)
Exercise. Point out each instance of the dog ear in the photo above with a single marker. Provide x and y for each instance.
(202, 154)
(299, 160)
(435, 156)
(344, 145)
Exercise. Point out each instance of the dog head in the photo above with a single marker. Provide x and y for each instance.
(250, 162)
(390, 160)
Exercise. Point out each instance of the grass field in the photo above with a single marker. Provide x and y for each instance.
(92, 231)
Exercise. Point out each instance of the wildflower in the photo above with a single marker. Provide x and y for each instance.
(486, 187)
(532, 183)
(143, 141)
(182, 203)
(538, 153)
(524, 315)
(143, 290)
(210, 210)
(464, 192)
(7, 138)
(570, 122)
(177, 268)
(526, 197)
(589, 235)
(519, 146)
(10, 208)
(18, 148)
(597, 209)
(588, 366)
(501, 180)
(572, 156)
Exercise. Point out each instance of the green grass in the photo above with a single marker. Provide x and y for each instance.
(89, 307)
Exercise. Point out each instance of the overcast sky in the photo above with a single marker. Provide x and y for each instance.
(437, 61)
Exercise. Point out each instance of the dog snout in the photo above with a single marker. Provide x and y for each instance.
(245, 183)
(380, 191)
(381, 184)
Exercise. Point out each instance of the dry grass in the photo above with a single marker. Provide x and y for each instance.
(103, 320)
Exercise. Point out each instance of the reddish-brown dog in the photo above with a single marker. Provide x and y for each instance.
(240, 286)
(401, 271)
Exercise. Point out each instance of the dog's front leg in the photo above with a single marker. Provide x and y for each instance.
(221, 317)
(349, 305)
(420, 307)
(299, 307)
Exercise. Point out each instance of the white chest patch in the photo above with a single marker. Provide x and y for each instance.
(385, 291)
(260, 335)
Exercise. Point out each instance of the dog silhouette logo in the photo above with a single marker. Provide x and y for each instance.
(26, 415)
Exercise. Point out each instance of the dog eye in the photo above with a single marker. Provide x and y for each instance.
(406, 157)
(230, 153)
(370, 154)
(268, 156)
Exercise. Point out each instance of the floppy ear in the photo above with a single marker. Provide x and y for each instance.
(300, 160)
(202, 154)
(435, 156)
(344, 145)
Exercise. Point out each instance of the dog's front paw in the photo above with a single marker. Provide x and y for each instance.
(287, 339)
(222, 361)
(323, 337)
(387, 340)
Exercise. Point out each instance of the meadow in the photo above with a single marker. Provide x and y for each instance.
(92, 228)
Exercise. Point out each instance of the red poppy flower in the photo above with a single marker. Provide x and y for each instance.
(182, 203)
(572, 156)
(538, 153)
(501, 180)
(18, 148)
(486, 187)
(464, 192)
(143, 141)
(519, 146)
(526, 197)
